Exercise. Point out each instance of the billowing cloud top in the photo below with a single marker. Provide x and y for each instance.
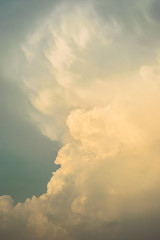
(92, 76)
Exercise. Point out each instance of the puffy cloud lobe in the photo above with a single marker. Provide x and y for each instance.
(102, 126)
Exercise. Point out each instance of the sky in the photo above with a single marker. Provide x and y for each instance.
(79, 119)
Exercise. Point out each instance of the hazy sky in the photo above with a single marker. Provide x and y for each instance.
(79, 97)
(24, 152)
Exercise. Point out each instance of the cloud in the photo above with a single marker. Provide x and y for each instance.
(107, 120)
(82, 55)
(108, 172)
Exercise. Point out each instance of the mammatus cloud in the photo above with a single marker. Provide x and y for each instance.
(109, 164)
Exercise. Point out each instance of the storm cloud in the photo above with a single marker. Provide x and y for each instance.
(87, 75)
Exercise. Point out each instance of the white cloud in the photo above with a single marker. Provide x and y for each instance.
(109, 165)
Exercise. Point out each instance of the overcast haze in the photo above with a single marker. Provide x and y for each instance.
(79, 120)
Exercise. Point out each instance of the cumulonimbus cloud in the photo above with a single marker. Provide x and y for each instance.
(109, 164)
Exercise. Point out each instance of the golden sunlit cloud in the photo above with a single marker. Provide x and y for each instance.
(107, 121)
